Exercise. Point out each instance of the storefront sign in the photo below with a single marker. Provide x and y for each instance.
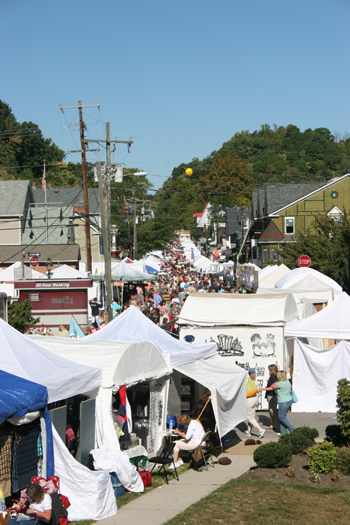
(52, 285)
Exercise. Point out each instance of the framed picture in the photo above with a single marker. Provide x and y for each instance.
(185, 390)
(185, 406)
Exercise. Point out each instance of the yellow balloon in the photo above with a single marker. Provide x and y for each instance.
(189, 172)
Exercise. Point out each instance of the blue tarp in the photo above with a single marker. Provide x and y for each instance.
(19, 396)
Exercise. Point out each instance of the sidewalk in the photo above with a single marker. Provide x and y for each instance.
(165, 502)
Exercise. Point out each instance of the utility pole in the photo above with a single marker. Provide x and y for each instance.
(135, 230)
(86, 193)
(127, 225)
(106, 246)
(106, 217)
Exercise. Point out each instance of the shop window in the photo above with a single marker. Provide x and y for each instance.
(289, 225)
(34, 297)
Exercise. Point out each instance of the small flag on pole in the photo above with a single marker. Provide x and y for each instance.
(192, 254)
(30, 222)
(216, 253)
(75, 332)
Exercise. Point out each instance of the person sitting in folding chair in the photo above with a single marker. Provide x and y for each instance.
(191, 439)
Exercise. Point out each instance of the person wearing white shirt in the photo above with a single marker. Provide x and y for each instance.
(191, 439)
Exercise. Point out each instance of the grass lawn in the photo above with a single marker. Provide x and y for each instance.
(247, 502)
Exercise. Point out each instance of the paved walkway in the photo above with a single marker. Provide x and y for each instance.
(164, 503)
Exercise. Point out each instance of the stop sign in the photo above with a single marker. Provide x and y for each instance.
(304, 261)
(34, 261)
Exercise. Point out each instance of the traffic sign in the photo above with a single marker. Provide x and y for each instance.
(304, 261)
(34, 254)
(34, 261)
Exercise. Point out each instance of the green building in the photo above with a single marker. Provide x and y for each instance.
(280, 211)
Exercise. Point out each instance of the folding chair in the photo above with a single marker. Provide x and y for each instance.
(165, 458)
(202, 452)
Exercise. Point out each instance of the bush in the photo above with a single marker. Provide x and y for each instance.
(273, 455)
(322, 457)
(342, 460)
(297, 441)
(311, 433)
(343, 404)
(333, 434)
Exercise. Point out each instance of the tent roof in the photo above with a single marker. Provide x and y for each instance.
(25, 357)
(307, 278)
(19, 396)
(66, 272)
(131, 272)
(228, 310)
(332, 322)
(133, 325)
(121, 362)
(8, 273)
(302, 295)
(270, 279)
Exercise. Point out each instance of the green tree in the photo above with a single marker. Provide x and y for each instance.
(20, 315)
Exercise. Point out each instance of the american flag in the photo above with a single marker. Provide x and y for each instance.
(43, 181)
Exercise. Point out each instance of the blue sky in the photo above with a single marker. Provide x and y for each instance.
(179, 77)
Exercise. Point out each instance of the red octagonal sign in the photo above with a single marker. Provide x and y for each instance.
(304, 261)
(34, 261)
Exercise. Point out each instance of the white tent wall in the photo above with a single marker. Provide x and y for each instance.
(245, 346)
(316, 374)
(270, 278)
(90, 493)
(309, 279)
(227, 384)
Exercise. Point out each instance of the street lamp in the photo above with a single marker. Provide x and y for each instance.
(48, 266)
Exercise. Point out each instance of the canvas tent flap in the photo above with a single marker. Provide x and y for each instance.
(25, 357)
(227, 383)
(316, 374)
(228, 310)
(90, 493)
(131, 273)
(332, 322)
(133, 325)
(270, 278)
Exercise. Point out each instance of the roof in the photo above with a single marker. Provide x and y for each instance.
(309, 279)
(271, 233)
(57, 252)
(13, 197)
(57, 231)
(234, 219)
(68, 197)
(267, 199)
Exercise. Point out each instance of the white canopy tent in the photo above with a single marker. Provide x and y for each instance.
(25, 357)
(8, 274)
(192, 359)
(309, 279)
(332, 322)
(65, 272)
(228, 309)
(247, 328)
(132, 325)
(271, 278)
(324, 296)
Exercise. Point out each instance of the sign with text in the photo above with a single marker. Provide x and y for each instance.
(34, 254)
(34, 261)
(51, 285)
(304, 261)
